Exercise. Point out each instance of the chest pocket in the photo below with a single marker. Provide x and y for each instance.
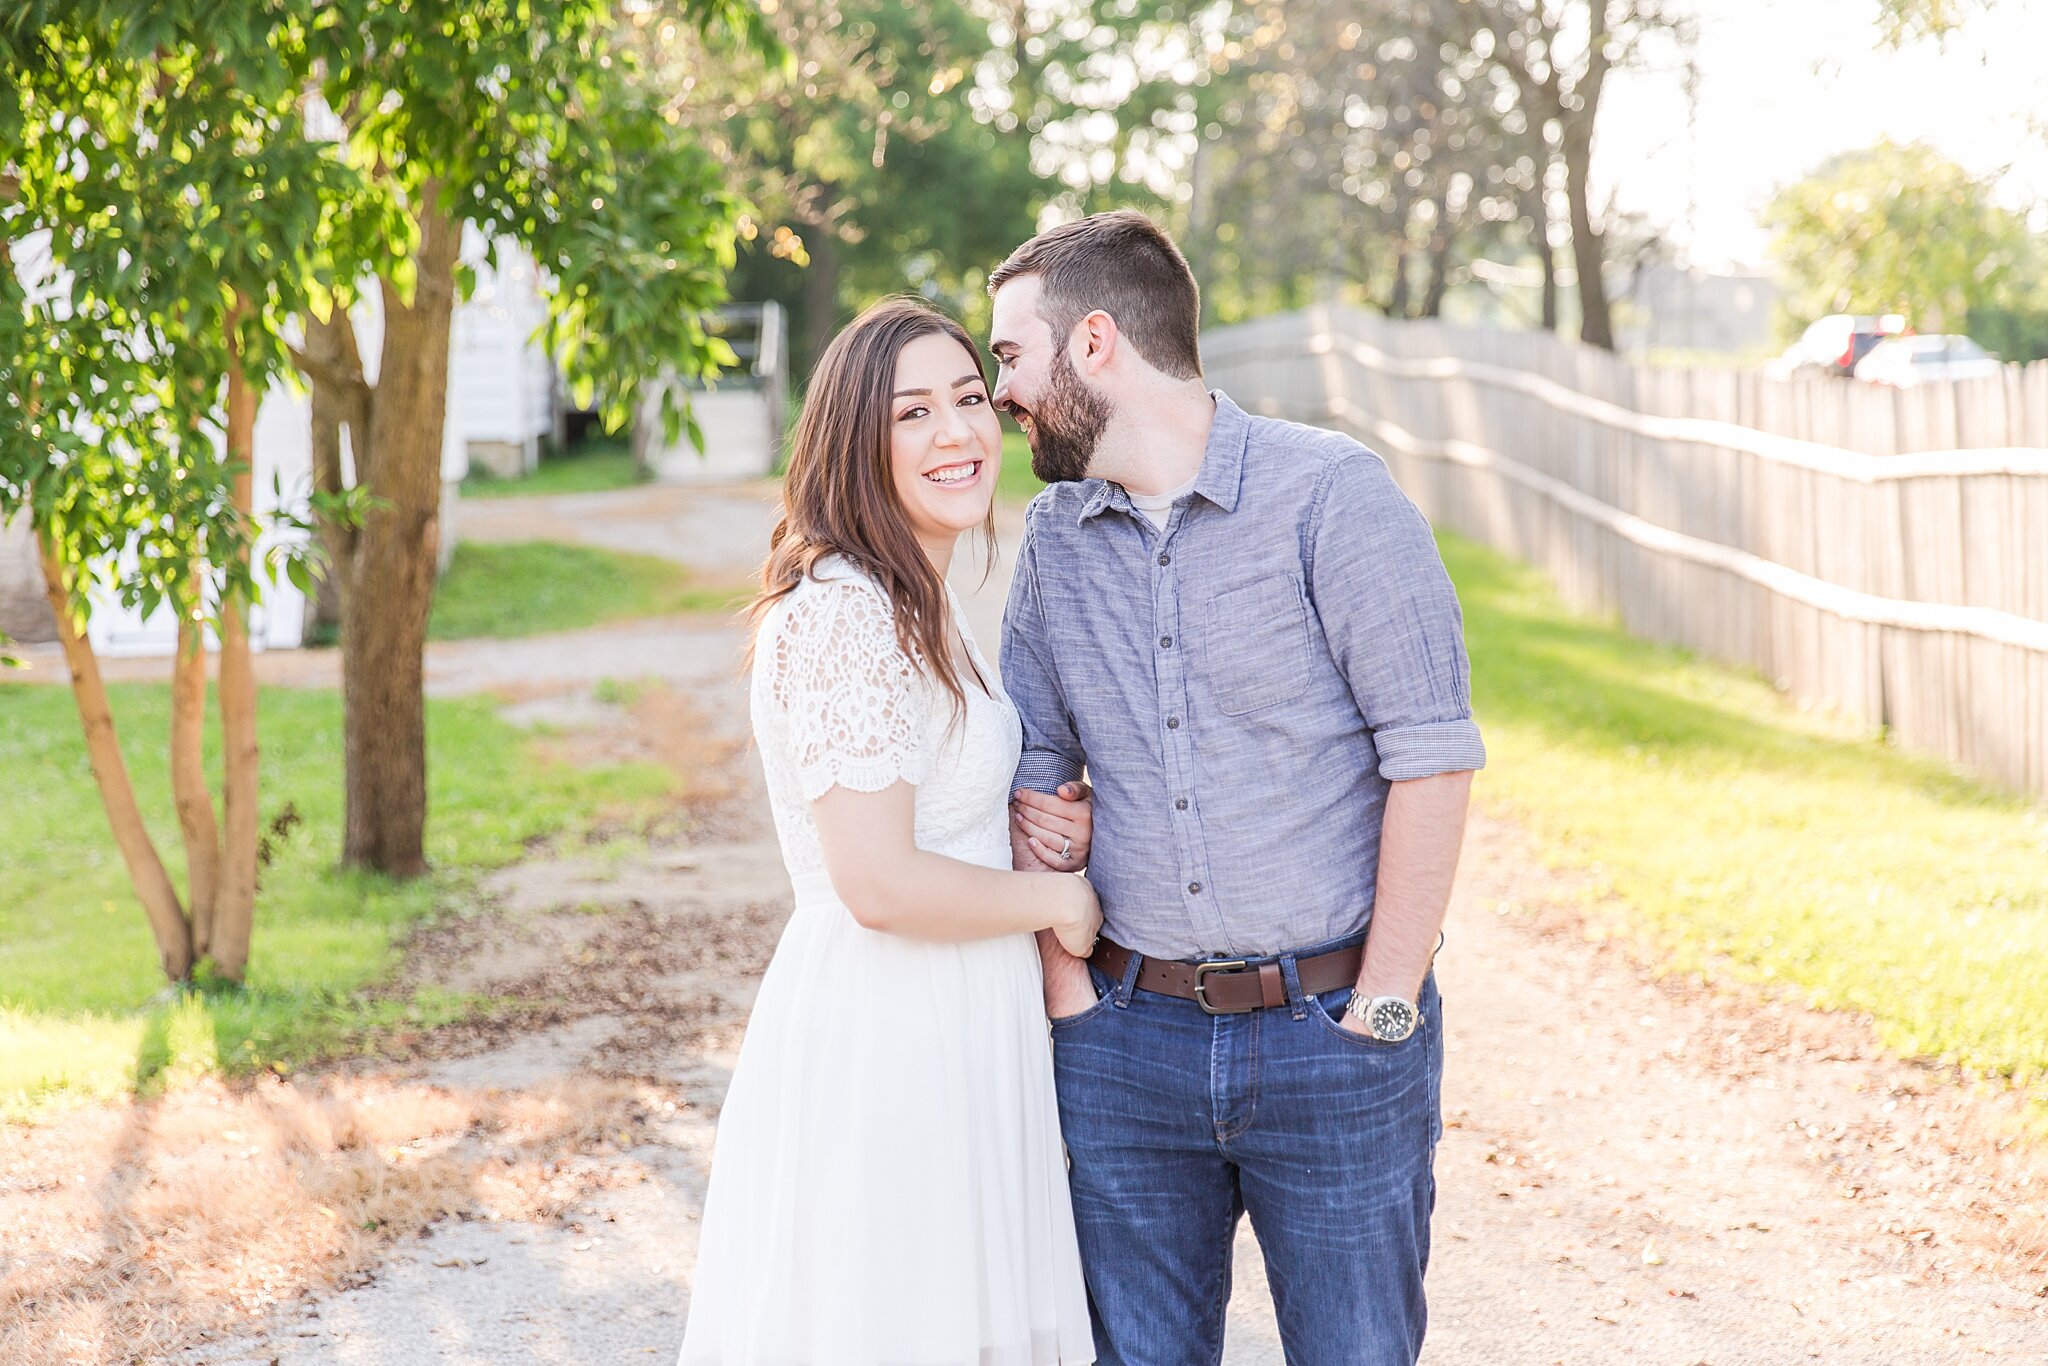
(1254, 645)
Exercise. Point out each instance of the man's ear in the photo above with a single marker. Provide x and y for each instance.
(1099, 338)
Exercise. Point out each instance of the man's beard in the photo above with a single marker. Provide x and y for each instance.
(1067, 424)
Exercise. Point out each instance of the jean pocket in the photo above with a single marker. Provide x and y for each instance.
(1253, 641)
(1330, 1015)
(1105, 997)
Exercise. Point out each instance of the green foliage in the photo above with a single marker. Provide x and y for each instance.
(156, 160)
(163, 206)
(1741, 836)
(865, 164)
(1896, 228)
(2012, 334)
(1358, 148)
(1016, 482)
(529, 587)
(79, 1005)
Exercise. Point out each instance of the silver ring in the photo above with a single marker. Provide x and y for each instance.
(1066, 846)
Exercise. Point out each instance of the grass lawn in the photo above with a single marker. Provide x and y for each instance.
(82, 1005)
(1016, 481)
(525, 588)
(588, 467)
(1744, 836)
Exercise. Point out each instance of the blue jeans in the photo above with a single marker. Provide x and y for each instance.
(1177, 1121)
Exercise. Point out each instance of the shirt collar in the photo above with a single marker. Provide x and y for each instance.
(1222, 473)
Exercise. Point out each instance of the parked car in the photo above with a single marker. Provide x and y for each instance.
(1834, 344)
(1906, 361)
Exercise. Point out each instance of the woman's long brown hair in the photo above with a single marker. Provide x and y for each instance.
(839, 491)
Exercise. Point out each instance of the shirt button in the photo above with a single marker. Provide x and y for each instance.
(1173, 723)
(1195, 888)
(1180, 804)
(1165, 559)
(1166, 642)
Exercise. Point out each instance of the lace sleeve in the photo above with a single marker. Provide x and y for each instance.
(856, 705)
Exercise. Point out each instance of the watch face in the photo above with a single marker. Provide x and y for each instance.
(1392, 1019)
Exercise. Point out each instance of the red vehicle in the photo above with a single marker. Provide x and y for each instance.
(1834, 344)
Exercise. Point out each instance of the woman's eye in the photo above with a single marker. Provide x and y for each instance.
(911, 414)
(974, 398)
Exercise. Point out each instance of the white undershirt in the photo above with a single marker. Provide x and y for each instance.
(1155, 506)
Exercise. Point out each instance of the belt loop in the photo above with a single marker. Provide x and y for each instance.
(1129, 983)
(1297, 1000)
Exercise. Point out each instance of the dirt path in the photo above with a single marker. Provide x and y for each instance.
(1633, 1170)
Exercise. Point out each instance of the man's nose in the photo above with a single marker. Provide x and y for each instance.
(1001, 397)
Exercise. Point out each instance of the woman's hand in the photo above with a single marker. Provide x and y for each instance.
(1080, 918)
(1059, 830)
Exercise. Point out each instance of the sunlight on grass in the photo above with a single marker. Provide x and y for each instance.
(590, 467)
(528, 588)
(83, 1007)
(1741, 833)
(1016, 481)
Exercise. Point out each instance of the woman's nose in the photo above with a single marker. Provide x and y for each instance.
(953, 426)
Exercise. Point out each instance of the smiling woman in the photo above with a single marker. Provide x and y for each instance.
(946, 444)
(895, 1074)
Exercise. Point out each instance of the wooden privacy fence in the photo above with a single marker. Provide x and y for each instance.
(1906, 586)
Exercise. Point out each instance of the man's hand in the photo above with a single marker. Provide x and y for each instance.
(1068, 988)
(1056, 831)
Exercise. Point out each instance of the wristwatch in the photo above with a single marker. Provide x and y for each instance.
(1388, 1019)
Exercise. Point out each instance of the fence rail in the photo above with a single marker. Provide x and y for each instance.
(1819, 541)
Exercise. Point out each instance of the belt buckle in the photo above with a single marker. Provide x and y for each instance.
(1202, 970)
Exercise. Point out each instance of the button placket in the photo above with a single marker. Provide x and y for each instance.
(1177, 739)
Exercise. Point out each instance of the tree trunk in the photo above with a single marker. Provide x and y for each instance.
(235, 917)
(388, 587)
(1439, 260)
(1546, 255)
(821, 294)
(196, 821)
(117, 793)
(1596, 326)
(340, 398)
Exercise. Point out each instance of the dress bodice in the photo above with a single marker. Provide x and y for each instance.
(836, 702)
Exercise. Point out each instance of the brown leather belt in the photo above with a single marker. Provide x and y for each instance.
(1233, 985)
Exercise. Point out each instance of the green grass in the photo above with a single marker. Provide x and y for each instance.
(525, 588)
(1742, 835)
(1017, 482)
(589, 467)
(83, 1010)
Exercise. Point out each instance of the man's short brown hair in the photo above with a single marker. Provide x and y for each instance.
(1124, 264)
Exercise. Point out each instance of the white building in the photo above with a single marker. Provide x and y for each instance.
(502, 399)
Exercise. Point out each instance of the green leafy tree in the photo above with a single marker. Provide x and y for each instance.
(1557, 55)
(139, 247)
(864, 164)
(1356, 148)
(1896, 227)
(537, 124)
(302, 147)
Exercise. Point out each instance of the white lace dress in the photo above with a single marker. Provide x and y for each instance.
(889, 1187)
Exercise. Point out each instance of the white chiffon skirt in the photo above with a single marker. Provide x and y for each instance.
(889, 1187)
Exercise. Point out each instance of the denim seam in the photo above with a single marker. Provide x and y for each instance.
(1253, 1025)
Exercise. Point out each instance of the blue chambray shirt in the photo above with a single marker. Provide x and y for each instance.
(1241, 687)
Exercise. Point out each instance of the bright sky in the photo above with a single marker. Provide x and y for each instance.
(1786, 83)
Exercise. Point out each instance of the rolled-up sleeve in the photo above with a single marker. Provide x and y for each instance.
(1052, 752)
(1393, 622)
